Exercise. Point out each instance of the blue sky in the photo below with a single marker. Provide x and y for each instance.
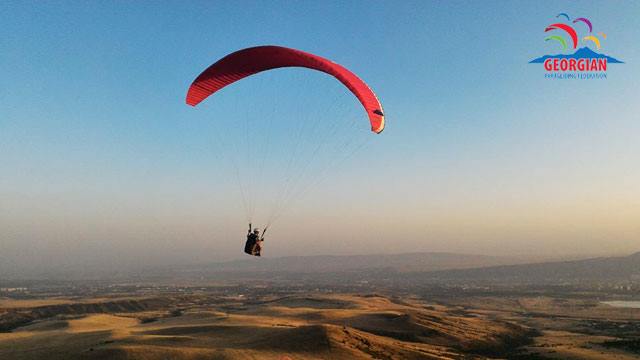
(481, 154)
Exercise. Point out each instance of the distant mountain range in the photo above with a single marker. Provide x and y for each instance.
(582, 53)
(431, 267)
(621, 268)
(409, 262)
(427, 266)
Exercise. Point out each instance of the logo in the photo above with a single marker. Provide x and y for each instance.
(583, 63)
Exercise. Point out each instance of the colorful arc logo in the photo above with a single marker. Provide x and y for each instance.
(575, 62)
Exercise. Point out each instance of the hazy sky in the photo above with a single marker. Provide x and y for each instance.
(102, 163)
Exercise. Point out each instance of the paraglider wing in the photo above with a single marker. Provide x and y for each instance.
(568, 29)
(250, 61)
(586, 21)
(594, 39)
(558, 39)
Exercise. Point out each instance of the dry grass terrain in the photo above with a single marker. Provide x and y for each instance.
(568, 328)
(292, 327)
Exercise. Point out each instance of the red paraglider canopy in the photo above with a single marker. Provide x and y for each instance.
(568, 29)
(250, 61)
